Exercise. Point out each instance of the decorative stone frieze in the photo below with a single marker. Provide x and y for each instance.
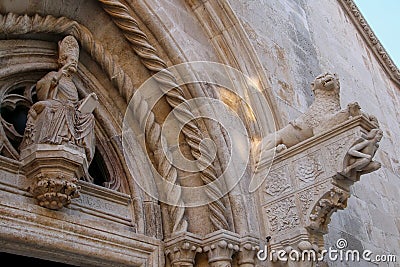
(282, 215)
(308, 168)
(279, 183)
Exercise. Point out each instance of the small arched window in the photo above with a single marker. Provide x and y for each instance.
(98, 170)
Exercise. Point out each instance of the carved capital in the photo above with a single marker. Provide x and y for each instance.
(54, 192)
(181, 250)
(54, 171)
(220, 247)
(247, 251)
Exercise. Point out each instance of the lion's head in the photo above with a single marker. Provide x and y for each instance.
(326, 82)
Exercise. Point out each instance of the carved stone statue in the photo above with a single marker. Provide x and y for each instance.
(59, 117)
(358, 160)
(59, 141)
(323, 114)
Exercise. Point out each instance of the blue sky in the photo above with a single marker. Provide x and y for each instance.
(384, 18)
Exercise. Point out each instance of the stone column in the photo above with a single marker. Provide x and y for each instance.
(220, 247)
(181, 249)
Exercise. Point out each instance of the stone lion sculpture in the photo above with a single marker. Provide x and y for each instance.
(323, 114)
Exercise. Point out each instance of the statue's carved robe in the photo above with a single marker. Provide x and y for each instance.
(55, 118)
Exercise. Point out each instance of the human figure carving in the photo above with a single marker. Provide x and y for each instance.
(59, 117)
(358, 160)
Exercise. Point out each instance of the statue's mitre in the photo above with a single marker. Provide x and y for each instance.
(69, 47)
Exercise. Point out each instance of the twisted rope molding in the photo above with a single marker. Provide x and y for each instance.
(15, 24)
(368, 34)
(175, 97)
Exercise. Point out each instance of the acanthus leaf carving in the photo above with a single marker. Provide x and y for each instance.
(220, 246)
(54, 193)
(283, 215)
(307, 197)
(330, 202)
(249, 246)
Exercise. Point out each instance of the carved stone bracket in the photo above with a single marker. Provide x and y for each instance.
(298, 217)
(335, 199)
(182, 249)
(54, 171)
(220, 247)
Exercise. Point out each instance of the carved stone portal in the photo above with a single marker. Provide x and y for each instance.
(58, 143)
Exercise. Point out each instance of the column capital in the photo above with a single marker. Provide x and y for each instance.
(181, 249)
(220, 247)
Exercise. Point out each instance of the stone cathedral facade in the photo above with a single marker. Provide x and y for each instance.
(197, 133)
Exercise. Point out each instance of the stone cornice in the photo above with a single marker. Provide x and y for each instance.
(372, 41)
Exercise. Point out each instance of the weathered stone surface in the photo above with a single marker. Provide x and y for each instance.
(281, 46)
